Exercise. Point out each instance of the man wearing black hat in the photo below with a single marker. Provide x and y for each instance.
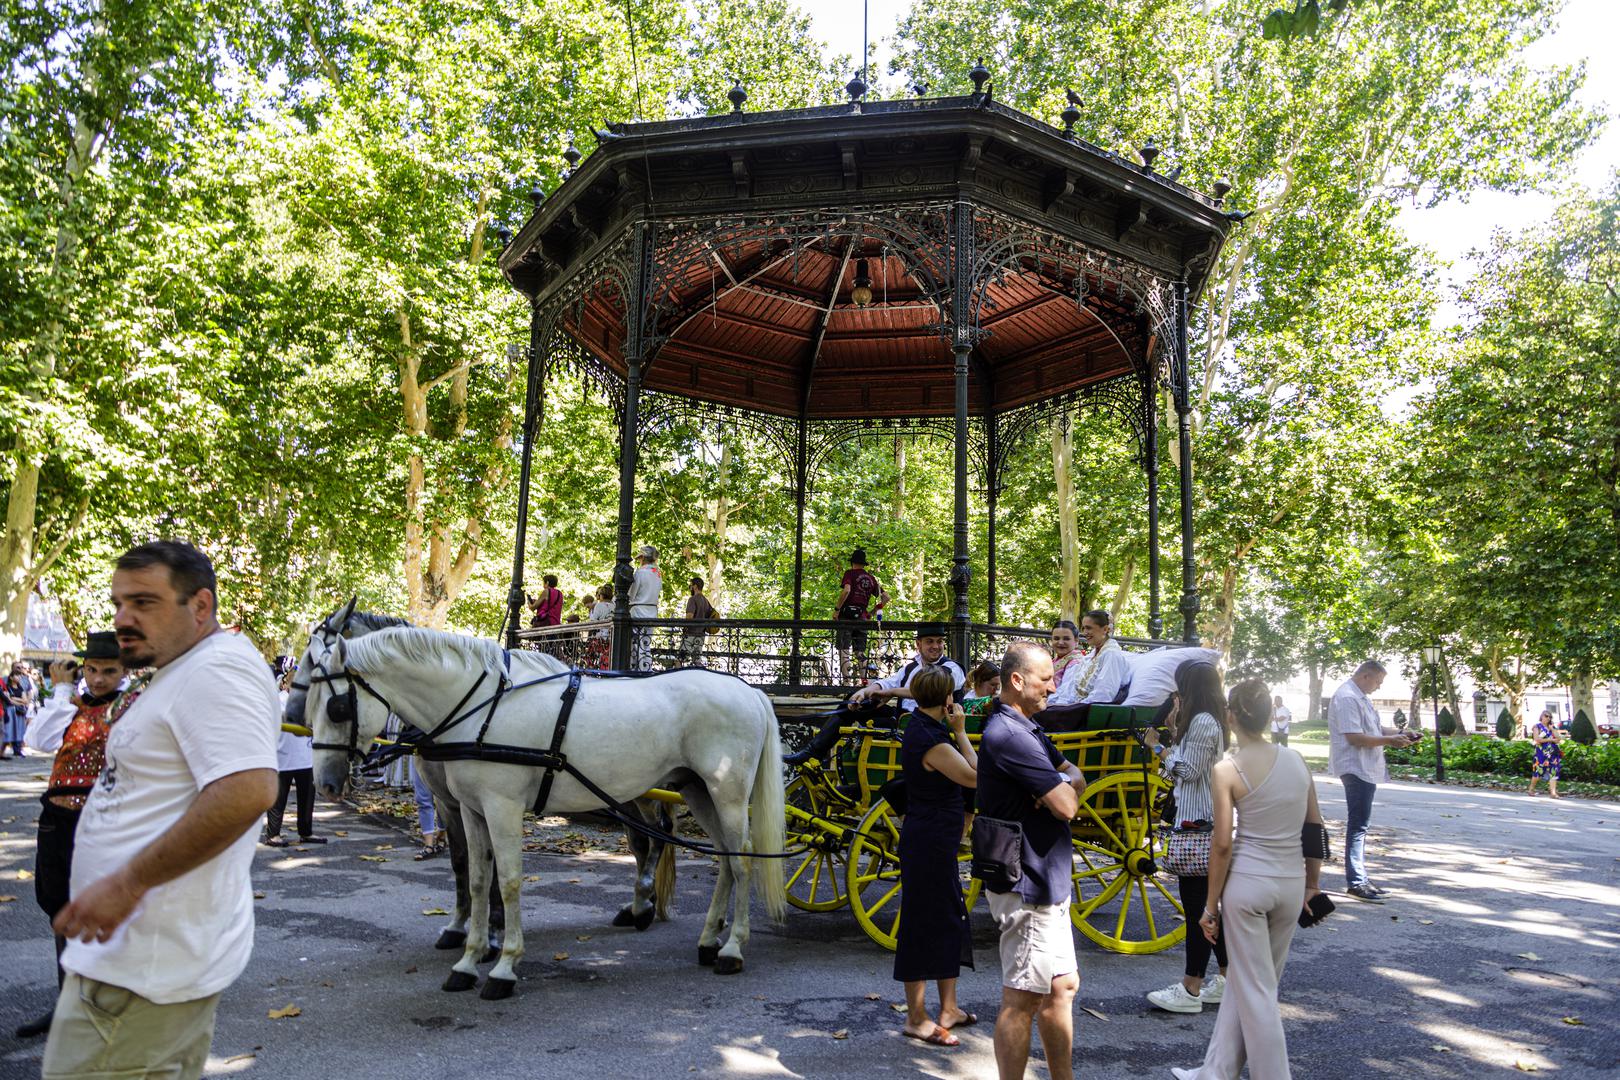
(890, 696)
(856, 593)
(74, 725)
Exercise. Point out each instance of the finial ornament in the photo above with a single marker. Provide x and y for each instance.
(856, 88)
(572, 155)
(1149, 151)
(1223, 187)
(736, 95)
(980, 75)
(537, 194)
(1071, 113)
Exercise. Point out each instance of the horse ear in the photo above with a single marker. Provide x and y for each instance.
(341, 619)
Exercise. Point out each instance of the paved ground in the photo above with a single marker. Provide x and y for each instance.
(1506, 924)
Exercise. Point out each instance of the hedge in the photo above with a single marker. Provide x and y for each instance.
(1505, 725)
(1598, 764)
(1581, 729)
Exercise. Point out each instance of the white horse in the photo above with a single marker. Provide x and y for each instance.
(709, 736)
(655, 860)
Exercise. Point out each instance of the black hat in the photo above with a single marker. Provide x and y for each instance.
(858, 557)
(101, 645)
(931, 629)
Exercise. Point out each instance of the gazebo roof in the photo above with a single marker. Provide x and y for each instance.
(760, 224)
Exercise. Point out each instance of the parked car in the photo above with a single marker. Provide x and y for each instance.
(1608, 729)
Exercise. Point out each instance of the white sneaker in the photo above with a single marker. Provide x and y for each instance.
(1174, 998)
(1214, 989)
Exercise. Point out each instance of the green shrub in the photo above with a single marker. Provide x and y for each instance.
(1598, 764)
(1505, 725)
(1447, 724)
(1581, 729)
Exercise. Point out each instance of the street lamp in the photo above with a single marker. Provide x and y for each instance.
(1431, 657)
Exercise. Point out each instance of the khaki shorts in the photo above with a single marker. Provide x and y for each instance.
(1037, 942)
(101, 1030)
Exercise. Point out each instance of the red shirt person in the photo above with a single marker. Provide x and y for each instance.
(548, 605)
(858, 589)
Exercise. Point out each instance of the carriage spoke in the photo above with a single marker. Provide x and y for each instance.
(1173, 901)
(1147, 909)
(1120, 846)
(1124, 909)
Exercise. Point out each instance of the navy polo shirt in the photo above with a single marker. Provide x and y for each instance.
(1017, 765)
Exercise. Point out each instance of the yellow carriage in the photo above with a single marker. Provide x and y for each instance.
(842, 816)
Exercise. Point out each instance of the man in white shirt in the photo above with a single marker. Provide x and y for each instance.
(645, 588)
(1280, 719)
(1356, 741)
(161, 916)
(893, 688)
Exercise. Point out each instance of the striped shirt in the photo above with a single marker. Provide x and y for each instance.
(1189, 763)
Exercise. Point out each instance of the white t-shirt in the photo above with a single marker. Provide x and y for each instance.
(644, 590)
(1350, 710)
(1281, 718)
(896, 679)
(208, 714)
(1154, 679)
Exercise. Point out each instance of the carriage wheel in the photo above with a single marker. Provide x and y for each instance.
(874, 875)
(815, 879)
(1120, 900)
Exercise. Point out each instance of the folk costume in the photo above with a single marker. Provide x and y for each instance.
(76, 729)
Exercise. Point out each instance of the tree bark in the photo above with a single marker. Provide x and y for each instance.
(1123, 593)
(1313, 711)
(1582, 695)
(1068, 556)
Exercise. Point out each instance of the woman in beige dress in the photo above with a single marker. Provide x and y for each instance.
(1259, 882)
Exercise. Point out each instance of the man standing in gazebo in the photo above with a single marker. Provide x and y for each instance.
(856, 592)
(645, 589)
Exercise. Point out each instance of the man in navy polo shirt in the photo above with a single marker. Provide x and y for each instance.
(1023, 778)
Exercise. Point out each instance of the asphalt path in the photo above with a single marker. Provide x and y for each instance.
(1505, 922)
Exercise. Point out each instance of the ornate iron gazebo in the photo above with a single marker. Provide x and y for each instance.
(944, 265)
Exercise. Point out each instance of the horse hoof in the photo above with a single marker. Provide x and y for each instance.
(497, 989)
(728, 965)
(457, 981)
(644, 920)
(451, 939)
(708, 955)
(625, 917)
(491, 954)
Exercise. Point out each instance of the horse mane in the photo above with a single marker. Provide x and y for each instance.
(373, 621)
(418, 645)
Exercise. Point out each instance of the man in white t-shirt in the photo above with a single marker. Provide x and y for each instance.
(1356, 741)
(161, 916)
(645, 588)
(1280, 719)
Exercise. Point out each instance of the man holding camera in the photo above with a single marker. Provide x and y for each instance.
(1357, 739)
(74, 727)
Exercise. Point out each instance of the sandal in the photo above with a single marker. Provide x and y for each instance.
(938, 1037)
(968, 1020)
(274, 841)
(429, 851)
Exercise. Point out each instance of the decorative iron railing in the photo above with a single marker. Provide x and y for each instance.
(781, 656)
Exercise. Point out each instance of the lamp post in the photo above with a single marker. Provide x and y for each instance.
(1431, 657)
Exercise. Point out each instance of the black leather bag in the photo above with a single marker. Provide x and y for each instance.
(998, 847)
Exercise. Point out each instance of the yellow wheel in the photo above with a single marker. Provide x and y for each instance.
(1122, 901)
(874, 875)
(815, 879)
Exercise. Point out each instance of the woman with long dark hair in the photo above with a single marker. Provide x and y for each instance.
(1197, 741)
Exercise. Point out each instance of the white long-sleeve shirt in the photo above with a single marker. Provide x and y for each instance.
(1107, 671)
(51, 722)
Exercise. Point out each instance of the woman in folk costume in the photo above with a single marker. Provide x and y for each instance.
(1097, 678)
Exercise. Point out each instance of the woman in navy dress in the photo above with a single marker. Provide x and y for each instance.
(933, 943)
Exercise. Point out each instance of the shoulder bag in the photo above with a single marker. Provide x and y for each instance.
(1187, 853)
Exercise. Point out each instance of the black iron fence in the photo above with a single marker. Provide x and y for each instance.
(781, 656)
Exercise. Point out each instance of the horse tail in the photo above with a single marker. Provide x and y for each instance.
(664, 873)
(768, 829)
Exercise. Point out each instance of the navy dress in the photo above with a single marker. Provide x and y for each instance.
(933, 940)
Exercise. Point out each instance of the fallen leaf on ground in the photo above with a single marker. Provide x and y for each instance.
(559, 957)
(1527, 956)
(372, 858)
(869, 997)
(383, 847)
(326, 982)
(6, 899)
(532, 877)
(841, 1033)
(1525, 1066)
(583, 937)
(573, 881)
(411, 970)
(1426, 922)
(897, 1008)
(1574, 1021)
(249, 1056)
(258, 896)
(25, 875)
(1095, 1013)
(286, 1011)
(300, 849)
(1441, 1047)
(434, 911)
(339, 832)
